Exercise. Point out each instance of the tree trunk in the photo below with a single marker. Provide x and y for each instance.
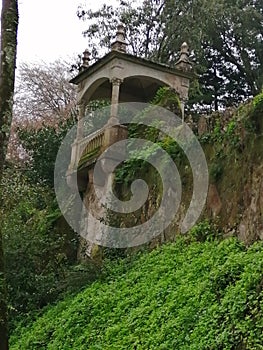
(9, 23)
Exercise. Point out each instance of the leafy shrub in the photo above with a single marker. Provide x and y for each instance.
(204, 231)
(216, 171)
(180, 296)
(42, 145)
(258, 102)
(37, 250)
(168, 98)
(257, 113)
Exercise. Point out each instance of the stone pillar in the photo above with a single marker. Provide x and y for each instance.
(120, 43)
(81, 115)
(184, 65)
(183, 101)
(116, 82)
(85, 60)
(75, 145)
(202, 125)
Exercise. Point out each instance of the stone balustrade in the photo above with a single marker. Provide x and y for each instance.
(90, 144)
(86, 148)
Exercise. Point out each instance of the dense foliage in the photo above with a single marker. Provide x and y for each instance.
(185, 295)
(40, 248)
(37, 249)
(42, 145)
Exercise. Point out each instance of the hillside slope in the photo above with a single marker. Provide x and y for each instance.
(180, 296)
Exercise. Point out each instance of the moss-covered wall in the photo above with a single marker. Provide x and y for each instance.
(233, 143)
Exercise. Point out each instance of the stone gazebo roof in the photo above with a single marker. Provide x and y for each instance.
(139, 78)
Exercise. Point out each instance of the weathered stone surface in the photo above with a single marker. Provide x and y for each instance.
(90, 229)
(214, 203)
(202, 125)
(251, 225)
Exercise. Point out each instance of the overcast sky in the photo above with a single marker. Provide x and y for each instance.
(50, 29)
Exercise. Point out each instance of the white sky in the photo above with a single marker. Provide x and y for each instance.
(50, 29)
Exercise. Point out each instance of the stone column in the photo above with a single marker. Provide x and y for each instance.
(184, 65)
(79, 137)
(81, 115)
(116, 82)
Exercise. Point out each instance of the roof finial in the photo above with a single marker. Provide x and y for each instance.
(120, 43)
(184, 63)
(85, 59)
